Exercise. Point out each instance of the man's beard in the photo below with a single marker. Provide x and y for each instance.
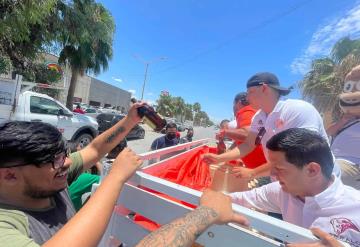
(36, 193)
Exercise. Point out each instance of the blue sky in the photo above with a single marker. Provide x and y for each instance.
(213, 47)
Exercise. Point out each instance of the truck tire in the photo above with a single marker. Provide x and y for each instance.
(83, 139)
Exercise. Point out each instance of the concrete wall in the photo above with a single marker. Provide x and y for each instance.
(108, 94)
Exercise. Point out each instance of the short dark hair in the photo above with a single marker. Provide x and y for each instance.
(242, 98)
(171, 125)
(302, 146)
(29, 143)
(224, 121)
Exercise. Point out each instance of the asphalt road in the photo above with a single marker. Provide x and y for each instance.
(143, 145)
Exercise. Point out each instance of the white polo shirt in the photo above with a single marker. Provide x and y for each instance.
(336, 210)
(346, 145)
(290, 113)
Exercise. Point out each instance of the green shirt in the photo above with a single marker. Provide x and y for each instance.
(80, 186)
(21, 227)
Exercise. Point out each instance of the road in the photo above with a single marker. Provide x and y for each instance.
(143, 145)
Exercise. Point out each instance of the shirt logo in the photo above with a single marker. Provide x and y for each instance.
(341, 225)
(260, 122)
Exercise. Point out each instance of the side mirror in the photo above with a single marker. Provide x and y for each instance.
(61, 112)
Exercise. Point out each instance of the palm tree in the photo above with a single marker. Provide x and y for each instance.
(197, 107)
(179, 107)
(86, 39)
(189, 112)
(164, 105)
(324, 82)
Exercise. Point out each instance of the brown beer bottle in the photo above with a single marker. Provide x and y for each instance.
(221, 147)
(151, 117)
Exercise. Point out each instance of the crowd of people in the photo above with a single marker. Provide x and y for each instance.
(284, 139)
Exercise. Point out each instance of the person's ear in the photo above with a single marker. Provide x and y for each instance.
(313, 169)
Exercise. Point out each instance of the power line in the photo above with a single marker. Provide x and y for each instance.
(238, 36)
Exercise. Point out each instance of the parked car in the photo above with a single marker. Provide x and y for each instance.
(92, 112)
(106, 120)
(180, 127)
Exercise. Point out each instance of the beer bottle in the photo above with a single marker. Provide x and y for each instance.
(221, 147)
(151, 117)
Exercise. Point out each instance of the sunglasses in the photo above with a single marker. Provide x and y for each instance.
(259, 136)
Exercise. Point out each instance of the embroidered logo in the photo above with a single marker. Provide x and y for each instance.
(341, 225)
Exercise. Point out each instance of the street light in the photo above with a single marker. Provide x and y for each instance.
(147, 63)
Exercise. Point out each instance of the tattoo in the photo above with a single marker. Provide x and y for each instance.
(115, 134)
(183, 231)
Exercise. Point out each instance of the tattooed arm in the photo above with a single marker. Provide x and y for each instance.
(215, 208)
(105, 142)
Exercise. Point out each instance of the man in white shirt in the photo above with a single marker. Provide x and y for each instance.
(274, 116)
(307, 193)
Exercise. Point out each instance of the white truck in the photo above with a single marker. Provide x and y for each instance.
(17, 103)
(137, 196)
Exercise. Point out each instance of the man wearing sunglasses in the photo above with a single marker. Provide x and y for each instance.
(274, 115)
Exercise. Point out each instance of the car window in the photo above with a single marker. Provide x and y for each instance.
(43, 106)
(90, 111)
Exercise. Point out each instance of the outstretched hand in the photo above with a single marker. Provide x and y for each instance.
(326, 240)
(126, 164)
(221, 204)
(210, 158)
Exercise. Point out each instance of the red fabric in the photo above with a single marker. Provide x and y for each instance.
(256, 157)
(80, 111)
(189, 171)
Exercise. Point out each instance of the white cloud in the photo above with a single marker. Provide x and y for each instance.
(326, 36)
(150, 102)
(132, 91)
(150, 94)
(116, 79)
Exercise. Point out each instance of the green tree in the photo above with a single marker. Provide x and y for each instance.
(201, 118)
(164, 105)
(26, 29)
(189, 112)
(86, 40)
(197, 107)
(324, 82)
(179, 107)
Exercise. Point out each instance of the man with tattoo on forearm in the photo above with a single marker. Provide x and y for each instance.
(215, 208)
(35, 169)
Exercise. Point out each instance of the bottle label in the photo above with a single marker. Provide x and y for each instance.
(149, 123)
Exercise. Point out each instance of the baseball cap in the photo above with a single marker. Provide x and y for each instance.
(269, 79)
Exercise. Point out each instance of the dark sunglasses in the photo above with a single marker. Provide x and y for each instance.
(259, 136)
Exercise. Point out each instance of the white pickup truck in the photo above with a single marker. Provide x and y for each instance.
(16, 103)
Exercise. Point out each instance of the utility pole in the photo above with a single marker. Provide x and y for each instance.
(145, 76)
(147, 63)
